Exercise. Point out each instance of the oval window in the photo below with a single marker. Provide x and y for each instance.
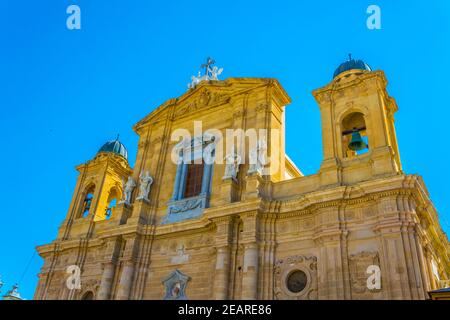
(296, 281)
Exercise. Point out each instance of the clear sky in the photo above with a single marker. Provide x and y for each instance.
(63, 93)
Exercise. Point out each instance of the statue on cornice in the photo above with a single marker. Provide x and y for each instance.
(215, 71)
(210, 73)
(145, 185)
(127, 190)
(232, 162)
(257, 157)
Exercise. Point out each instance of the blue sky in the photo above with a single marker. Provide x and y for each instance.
(63, 93)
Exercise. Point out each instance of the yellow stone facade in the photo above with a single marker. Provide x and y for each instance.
(357, 211)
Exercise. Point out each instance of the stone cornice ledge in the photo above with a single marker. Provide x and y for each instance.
(210, 214)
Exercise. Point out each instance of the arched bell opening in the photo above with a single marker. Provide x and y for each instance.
(87, 201)
(111, 203)
(355, 141)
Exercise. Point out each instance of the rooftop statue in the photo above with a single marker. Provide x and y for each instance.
(210, 74)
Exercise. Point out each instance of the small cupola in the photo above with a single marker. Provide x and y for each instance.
(351, 64)
(115, 147)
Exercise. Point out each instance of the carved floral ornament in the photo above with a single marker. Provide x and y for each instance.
(205, 98)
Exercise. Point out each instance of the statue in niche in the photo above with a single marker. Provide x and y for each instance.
(145, 185)
(232, 162)
(175, 286)
(176, 290)
(257, 157)
(127, 190)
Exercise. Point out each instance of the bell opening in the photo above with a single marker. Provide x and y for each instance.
(354, 135)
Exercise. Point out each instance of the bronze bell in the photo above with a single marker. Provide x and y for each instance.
(357, 143)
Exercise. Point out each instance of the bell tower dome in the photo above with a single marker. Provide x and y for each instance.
(358, 132)
(351, 64)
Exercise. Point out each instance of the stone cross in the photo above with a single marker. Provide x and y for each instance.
(209, 61)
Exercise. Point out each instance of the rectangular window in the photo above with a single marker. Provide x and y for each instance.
(193, 180)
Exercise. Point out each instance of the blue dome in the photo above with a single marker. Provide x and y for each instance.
(351, 64)
(115, 147)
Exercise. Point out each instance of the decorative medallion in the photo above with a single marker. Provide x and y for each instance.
(296, 278)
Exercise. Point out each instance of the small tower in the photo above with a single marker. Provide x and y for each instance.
(13, 294)
(358, 133)
(98, 190)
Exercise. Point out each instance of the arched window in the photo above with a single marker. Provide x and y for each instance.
(110, 208)
(354, 135)
(87, 202)
(111, 204)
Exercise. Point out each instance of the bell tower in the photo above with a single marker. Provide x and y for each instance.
(358, 133)
(98, 191)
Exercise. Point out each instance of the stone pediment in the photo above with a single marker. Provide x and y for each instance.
(207, 95)
(201, 98)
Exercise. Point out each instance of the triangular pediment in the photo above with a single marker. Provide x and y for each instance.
(207, 95)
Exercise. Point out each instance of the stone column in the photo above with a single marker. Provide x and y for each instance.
(266, 255)
(126, 280)
(224, 231)
(182, 180)
(176, 185)
(140, 211)
(123, 212)
(394, 273)
(221, 276)
(206, 178)
(428, 259)
(329, 240)
(250, 272)
(252, 184)
(104, 292)
(227, 192)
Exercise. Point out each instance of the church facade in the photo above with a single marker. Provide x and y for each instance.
(197, 219)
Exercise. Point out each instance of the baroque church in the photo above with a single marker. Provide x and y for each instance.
(359, 228)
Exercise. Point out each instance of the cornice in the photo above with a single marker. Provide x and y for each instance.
(323, 94)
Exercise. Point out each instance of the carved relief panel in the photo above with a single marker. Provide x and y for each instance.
(359, 264)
